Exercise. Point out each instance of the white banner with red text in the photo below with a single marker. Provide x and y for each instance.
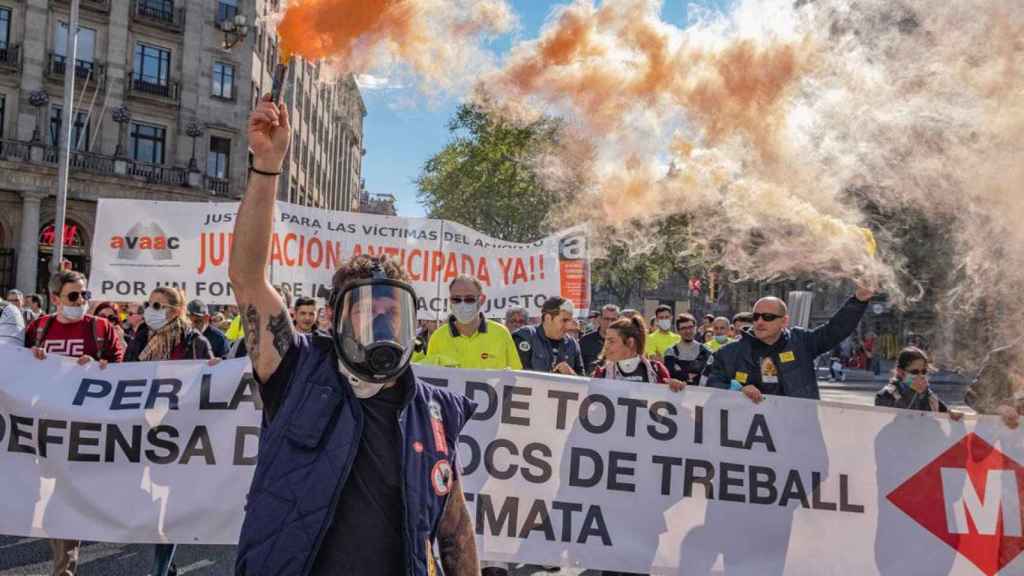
(557, 471)
(139, 245)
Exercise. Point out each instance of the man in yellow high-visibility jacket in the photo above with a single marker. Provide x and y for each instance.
(468, 340)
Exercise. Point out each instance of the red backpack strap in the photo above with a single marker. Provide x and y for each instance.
(99, 338)
(42, 328)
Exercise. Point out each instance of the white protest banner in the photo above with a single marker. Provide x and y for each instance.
(140, 245)
(558, 470)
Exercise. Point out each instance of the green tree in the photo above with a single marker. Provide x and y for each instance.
(641, 256)
(490, 176)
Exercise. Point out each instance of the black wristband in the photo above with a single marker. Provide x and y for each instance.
(262, 173)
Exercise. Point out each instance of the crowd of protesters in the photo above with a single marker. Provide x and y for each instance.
(355, 353)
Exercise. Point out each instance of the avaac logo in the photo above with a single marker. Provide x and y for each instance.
(145, 238)
(970, 498)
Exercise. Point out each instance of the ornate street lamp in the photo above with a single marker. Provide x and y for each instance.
(193, 130)
(235, 30)
(37, 99)
(121, 116)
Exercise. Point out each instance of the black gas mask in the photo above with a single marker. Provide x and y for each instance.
(374, 329)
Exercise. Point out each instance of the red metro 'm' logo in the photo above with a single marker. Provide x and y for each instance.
(969, 497)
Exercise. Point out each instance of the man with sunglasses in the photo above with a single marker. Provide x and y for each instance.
(778, 359)
(592, 343)
(199, 315)
(468, 340)
(71, 332)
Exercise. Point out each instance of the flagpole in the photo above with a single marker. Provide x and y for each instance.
(64, 139)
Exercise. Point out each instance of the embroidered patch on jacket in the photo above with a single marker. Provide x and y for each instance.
(787, 357)
(441, 478)
(524, 346)
(437, 424)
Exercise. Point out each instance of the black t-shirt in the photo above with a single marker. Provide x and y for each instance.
(371, 501)
(365, 537)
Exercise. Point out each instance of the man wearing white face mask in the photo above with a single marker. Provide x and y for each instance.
(72, 332)
(468, 340)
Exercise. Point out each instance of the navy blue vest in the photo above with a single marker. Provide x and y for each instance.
(305, 455)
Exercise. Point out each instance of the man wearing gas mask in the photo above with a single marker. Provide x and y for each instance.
(357, 471)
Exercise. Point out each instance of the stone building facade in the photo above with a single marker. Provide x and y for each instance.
(161, 104)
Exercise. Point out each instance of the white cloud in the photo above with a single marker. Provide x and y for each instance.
(371, 82)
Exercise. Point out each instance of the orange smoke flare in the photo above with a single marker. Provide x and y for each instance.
(436, 39)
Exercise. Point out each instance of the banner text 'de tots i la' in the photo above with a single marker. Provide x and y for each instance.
(140, 245)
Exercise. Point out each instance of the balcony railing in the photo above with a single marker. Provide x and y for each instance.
(158, 173)
(96, 5)
(142, 86)
(10, 56)
(92, 162)
(160, 13)
(83, 69)
(106, 165)
(218, 186)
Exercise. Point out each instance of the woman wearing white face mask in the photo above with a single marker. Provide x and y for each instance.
(623, 343)
(167, 334)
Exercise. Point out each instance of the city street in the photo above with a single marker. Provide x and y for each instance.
(28, 557)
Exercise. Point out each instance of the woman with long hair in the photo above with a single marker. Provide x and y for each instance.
(111, 312)
(167, 334)
(623, 356)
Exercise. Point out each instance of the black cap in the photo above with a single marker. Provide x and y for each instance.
(198, 308)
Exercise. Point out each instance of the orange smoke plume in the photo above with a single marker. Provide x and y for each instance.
(437, 39)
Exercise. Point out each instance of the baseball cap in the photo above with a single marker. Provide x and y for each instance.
(198, 308)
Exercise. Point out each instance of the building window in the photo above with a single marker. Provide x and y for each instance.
(223, 80)
(3, 114)
(218, 157)
(152, 65)
(86, 42)
(147, 142)
(5, 27)
(79, 134)
(226, 10)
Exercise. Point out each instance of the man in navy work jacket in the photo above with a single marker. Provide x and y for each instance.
(356, 474)
(548, 348)
(778, 359)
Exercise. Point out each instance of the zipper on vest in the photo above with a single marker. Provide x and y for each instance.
(409, 550)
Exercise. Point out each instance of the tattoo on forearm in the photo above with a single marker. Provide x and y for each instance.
(456, 540)
(280, 327)
(251, 319)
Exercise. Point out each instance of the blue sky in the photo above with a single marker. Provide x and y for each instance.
(400, 139)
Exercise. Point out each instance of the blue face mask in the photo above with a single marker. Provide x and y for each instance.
(722, 339)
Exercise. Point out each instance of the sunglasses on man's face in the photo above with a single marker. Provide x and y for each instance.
(463, 299)
(767, 316)
(74, 296)
(918, 372)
